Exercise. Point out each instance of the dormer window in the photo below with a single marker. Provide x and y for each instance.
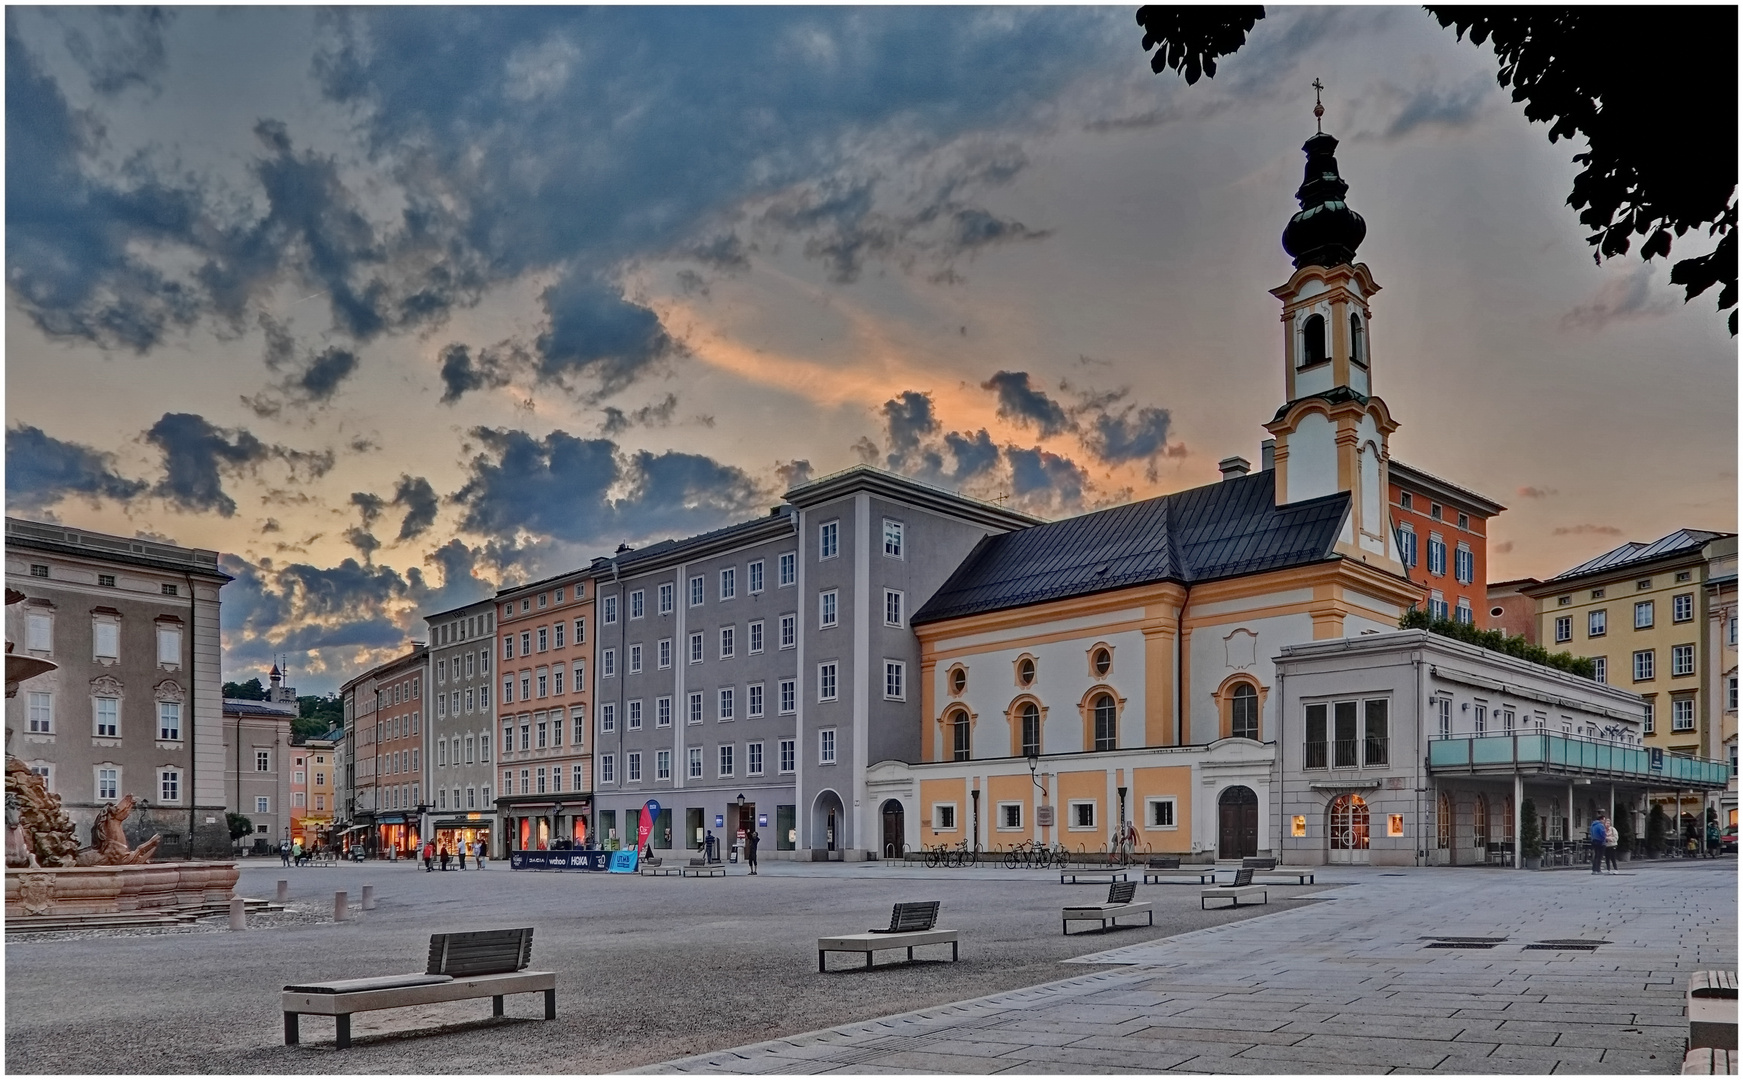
(1358, 342)
(1313, 341)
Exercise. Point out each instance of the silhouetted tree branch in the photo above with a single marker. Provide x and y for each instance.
(1653, 91)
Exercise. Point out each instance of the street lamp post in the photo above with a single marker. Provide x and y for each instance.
(1034, 758)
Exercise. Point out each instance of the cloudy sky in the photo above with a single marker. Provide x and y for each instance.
(392, 306)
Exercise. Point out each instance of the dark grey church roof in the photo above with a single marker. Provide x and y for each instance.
(1221, 530)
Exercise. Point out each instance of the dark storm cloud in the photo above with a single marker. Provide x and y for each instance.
(659, 414)
(1025, 405)
(793, 473)
(919, 446)
(908, 418)
(583, 491)
(415, 494)
(326, 372)
(42, 470)
(363, 540)
(368, 506)
(462, 372)
(1132, 434)
(1035, 472)
(594, 333)
(197, 454)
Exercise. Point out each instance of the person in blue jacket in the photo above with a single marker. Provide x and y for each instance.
(1599, 835)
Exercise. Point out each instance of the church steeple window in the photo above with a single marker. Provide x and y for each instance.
(1358, 342)
(1313, 341)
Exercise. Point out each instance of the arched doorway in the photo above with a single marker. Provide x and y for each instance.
(895, 833)
(828, 823)
(1348, 829)
(1237, 833)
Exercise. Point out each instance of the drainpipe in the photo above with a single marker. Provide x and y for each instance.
(1180, 666)
(1421, 761)
(1278, 793)
(193, 698)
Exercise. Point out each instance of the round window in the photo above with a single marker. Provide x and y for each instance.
(958, 681)
(1104, 660)
(1496, 612)
(1026, 671)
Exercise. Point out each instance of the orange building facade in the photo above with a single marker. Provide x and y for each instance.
(544, 683)
(1443, 535)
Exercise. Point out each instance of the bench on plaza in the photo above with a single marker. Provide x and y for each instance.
(1163, 862)
(657, 868)
(1120, 902)
(486, 963)
(1241, 887)
(1251, 863)
(1157, 865)
(702, 868)
(1706, 1061)
(1091, 877)
(1278, 877)
(911, 925)
(1712, 1010)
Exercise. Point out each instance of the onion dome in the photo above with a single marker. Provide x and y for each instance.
(1326, 232)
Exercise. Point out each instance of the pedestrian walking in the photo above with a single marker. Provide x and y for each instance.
(1712, 838)
(750, 849)
(1611, 839)
(478, 854)
(284, 851)
(1598, 836)
(708, 846)
(429, 856)
(442, 854)
(460, 850)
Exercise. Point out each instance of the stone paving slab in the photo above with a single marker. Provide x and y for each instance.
(1347, 985)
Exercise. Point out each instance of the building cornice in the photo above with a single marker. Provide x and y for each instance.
(893, 486)
(1442, 490)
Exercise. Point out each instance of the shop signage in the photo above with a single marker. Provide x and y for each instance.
(762, 821)
(720, 821)
(650, 814)
(559, 860)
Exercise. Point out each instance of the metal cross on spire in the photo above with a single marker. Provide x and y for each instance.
(1318, 109)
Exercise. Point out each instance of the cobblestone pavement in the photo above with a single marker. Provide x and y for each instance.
(1352, 985)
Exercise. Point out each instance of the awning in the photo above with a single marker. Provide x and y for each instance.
(391, 819)
(464, 823)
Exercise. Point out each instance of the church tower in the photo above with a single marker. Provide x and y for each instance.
(1332, 432)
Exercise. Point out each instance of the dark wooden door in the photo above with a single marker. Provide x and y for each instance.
(894, 831)
(1238, 823)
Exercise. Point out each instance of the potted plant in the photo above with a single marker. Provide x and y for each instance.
(1530, 836)
(1655, 830)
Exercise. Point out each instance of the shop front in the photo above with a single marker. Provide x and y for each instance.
(396, 837)
(543, 823)
(468, 829)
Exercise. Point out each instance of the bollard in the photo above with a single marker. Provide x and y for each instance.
(368, 898)
(283, 891)
(238, 913)
(341, 913)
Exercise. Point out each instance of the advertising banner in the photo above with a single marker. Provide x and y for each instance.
(650, 814)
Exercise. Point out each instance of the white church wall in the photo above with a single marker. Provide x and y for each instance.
(1313, 464)
(1244, 645)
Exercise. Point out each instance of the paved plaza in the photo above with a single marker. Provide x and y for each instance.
(672, 970)
(1355, 985)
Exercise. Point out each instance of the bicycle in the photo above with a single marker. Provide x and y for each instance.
(937, 856)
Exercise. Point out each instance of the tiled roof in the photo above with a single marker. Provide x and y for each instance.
(1679, 542)
(1208, 533)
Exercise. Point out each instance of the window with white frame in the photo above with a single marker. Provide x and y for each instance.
(169, 785)
(728, 642)
(663, 712)
(580, 631)
(632, 767)
(1436, 555)
(663, 653)
(828, 535)
(1564, 628)
(754, 576)
(1731, 694)
(695, 763)
(696, 648)
(663, 765)
(632, 714)
(508, 690)
(262, 804)
(725, 760)
(727, 700)
(544, 633)
(753, 759)
(753, 700)
(1436, 605)
(893, 607)
(695, 707)
(1682, 714)
(1596, 622)
(895, 680)
(666, 598)
(789, 631)
(41, 710)
(729, 583)
(635, 659)
(106, 713)
(1159, 813)
(607, 716)
(106, 638)
(108, 783)
(1464, 564)
(1644, 666)
(892, 538)
(826, 746)
(826, 681)
(696, 591)
(526, 642)
(1600, 669)
(1462, 611)
(1080, 815)
(1643, 615)
(169, 645)
(1009, 816)
(789, 755)
(608, 768)
(607, 612)
(169, 721)
(1646, 724)
(1480, 719)
(607, 663)
(789, 696)
(1682, 659)
(943, 817)
(1443, 717)
(1407, 543)
(787, 568)
(827, 608)
(1682, 607)
(755, 633)
(38, 632)
(557, 634)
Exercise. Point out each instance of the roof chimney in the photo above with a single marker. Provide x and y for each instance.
(1268, 455)
(1233, 468)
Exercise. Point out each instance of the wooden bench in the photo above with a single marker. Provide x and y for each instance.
(1302, 877)
(654, 868)
(1250, 863)
(1705, 1061)
(1712, 1010)
(1243, 886)
(698, 868)
(489, 963)
(911, 925)
(1119, 903)
(1091, 877)
(1202, 877)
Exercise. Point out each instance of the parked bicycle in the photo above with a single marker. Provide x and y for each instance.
(1029, 855)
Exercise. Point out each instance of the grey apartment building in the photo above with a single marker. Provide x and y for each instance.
(746, 678)
(133, 705)
(457, 760)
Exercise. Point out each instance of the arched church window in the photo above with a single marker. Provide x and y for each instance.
(1313, 341)
(1104, 723)
(1244, 712)
(1031, 729)
(1358, 342)
(962, 746)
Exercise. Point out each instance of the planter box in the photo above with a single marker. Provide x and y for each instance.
(1534, 862)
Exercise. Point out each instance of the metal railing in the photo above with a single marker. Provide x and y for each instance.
(1575, 754)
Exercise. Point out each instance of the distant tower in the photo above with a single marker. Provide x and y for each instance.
(277, 692)
(1332, 432)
